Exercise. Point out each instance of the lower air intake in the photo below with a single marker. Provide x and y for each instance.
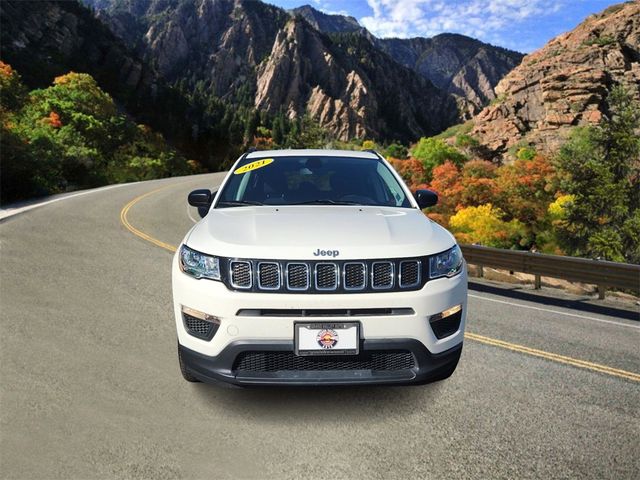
(199, 328)
(262, 362)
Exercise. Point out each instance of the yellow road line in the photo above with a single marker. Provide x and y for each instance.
(125, 221)
(554, 357)
(596, 367)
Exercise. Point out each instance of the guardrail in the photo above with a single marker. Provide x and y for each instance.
(596, 272)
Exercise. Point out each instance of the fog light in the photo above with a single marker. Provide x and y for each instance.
(200, 315)
(447, 322)
(200, 324)
(447, 313)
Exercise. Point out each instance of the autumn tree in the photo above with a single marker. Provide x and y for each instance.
(485, 225)
(526, 188)
(446, 182)
(478, 183)
(411, 171)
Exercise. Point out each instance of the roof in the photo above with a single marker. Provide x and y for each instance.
(311, 153)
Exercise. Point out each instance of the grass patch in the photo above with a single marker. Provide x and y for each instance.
(455, 130)
(600, 41)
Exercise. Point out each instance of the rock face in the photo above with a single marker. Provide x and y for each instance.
(45, 39)
(327, 23)
(459, 65)
(307, 72)
(565, 83)
(252, 53)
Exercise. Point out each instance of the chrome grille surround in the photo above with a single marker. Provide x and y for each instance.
(327, 276)
(382, 275)
(297, 276)
(354, 275)
(240, 274)
(409, 274)
(269, 276)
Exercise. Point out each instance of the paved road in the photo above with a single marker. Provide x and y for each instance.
(91, 387)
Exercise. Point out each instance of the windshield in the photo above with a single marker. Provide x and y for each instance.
(315, 180)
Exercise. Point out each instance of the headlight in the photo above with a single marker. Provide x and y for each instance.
(446, 264)
(198, 264)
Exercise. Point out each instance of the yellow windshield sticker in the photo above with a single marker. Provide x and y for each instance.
(253, 165)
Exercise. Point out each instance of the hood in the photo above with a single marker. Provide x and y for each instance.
(300, 232)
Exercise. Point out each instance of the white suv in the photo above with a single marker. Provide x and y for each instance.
(317, 267)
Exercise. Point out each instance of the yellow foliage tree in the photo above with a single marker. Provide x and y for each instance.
(369, 145)
(484, 225)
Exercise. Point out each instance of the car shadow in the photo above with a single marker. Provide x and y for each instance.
(277, 404)
(583, 304)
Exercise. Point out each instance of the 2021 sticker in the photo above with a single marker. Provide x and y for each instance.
(253, 166)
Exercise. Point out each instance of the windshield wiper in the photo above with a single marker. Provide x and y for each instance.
(237, 203)
(326, 202)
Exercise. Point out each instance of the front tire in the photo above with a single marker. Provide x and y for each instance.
(185, 374)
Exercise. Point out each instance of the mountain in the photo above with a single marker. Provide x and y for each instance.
(564, 84)
(349, 86)
(459, 65)
(222, 68)
(254, 54)
(327, 23)
(45, 39)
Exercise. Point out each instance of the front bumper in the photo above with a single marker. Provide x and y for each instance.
(225, 366)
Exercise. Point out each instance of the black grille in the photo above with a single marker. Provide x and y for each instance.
(409, 273)
(324, 312)
(288, 361)
(199, 328)
(241, 274)
(326, 276)
(355, 276)
(382, 275)
(269, 276)
(297, 276)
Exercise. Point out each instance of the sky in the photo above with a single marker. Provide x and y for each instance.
(522, 25)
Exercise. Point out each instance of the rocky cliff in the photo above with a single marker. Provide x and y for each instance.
(459, 65)
(45, 39)
(252, 53)
(327, 23)
(349, 86)
(565, 83)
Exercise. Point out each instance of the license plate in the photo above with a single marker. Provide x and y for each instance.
(327, 338)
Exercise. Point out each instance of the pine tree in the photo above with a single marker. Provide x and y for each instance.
(600, 169)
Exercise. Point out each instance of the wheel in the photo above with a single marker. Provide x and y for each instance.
(186, 375)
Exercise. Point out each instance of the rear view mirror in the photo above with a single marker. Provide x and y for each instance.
(426, 198)
(201, 199)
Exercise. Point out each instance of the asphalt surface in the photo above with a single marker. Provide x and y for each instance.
(90, 386)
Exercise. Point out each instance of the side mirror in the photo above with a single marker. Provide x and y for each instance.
(426, 198)
(202, 200)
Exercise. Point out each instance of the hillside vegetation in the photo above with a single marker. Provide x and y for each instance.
(71, 135)
(582, 201)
